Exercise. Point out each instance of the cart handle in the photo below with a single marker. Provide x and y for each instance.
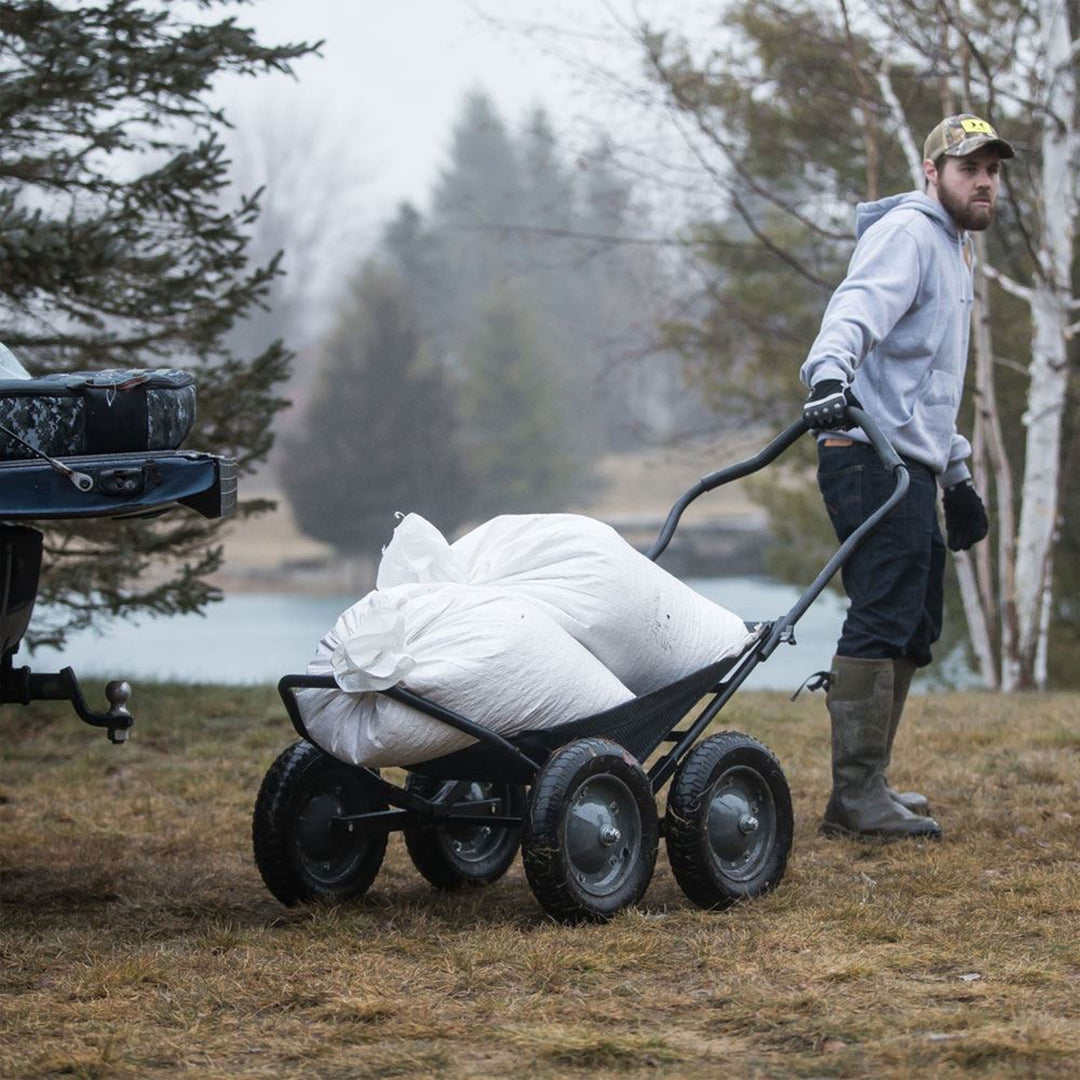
(724, 476)
(889, 458)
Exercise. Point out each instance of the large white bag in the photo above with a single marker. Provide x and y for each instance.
(641, 622)
(494, 658)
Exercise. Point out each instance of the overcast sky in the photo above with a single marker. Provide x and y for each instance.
(393, 76)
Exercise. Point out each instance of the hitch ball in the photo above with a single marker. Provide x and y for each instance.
(118, 693)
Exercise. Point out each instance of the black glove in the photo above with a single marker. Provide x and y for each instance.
(824, 409)
(965, 516)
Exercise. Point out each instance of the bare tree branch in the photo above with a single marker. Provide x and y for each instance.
(713, 137)
(1014, 288)
(903, 128)
(773, 248)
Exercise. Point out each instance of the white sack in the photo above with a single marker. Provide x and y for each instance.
(10, 368)
(645, 625)
(494, 658)
(641, 622)
(418, 553)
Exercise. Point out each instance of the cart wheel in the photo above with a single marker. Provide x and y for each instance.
(453, 855)
(299, 854)
(729, 823)
(591, 832)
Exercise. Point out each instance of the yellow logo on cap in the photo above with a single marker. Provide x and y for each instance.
(976, 127)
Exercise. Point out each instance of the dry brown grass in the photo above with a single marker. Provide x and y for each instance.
(136, 938)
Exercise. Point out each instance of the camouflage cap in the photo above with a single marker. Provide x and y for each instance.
(961, 135)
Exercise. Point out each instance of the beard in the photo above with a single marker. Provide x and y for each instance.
(970, 216)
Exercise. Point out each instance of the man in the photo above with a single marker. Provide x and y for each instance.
(894, 341)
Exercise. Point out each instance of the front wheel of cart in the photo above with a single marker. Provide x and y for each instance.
(591, 832)
(729, 822)
(463, 853)
(302, 849)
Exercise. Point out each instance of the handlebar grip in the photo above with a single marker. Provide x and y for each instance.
(889, 457)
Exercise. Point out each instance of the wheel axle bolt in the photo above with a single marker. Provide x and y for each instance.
(748, 823)
(609, 835)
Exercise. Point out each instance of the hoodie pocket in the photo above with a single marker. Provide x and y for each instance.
(940, 389)
(927, 433)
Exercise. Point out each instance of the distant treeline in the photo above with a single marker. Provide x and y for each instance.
(489, 350)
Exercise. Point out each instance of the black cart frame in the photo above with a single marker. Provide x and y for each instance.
(642, 725)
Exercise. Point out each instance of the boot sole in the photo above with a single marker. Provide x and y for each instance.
(840, 832)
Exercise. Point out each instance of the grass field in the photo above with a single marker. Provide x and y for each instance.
(137, 940)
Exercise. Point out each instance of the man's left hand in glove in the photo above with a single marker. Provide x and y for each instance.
(965, 516)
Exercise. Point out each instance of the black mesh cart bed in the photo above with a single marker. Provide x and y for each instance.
(579, 799)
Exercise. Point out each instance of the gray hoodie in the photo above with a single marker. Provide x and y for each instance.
(897, 329)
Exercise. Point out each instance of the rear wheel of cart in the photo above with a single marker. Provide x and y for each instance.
(465, 854)
(591, 832)
(729, 822)
(300, 850)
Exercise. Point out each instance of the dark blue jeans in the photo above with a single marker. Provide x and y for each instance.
(895, 578)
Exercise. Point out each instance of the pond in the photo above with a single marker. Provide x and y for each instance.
(256, 638)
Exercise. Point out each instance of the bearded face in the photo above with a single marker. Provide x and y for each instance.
(968, 188)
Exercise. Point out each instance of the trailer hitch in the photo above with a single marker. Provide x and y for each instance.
(20, 686)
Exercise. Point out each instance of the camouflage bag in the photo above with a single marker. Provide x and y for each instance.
(96, 412)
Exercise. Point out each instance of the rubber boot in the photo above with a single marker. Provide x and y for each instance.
(860, 702)
(903, 672)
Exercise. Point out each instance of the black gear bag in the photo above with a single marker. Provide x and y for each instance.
(95, 412)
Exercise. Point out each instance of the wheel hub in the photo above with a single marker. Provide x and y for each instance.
(741, 822)
(314, 828)
(603, 834)
(474, 843)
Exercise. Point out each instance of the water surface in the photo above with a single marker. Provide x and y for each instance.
(256, 638)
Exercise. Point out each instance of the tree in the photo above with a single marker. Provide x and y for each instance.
(474, 207)
(305, 167)
(116, 251)
(485, 244)
(807, 109)
(522, 445)
(379, 435)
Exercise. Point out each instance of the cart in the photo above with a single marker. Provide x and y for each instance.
(579, 799)
(120, 485)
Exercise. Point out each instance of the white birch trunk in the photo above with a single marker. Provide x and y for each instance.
(988, 424)
(978, 630)
(1050, 304)
(1042, 651)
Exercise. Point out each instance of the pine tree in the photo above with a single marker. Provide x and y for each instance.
(115, 251)
(522, 444)
(380, 431)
